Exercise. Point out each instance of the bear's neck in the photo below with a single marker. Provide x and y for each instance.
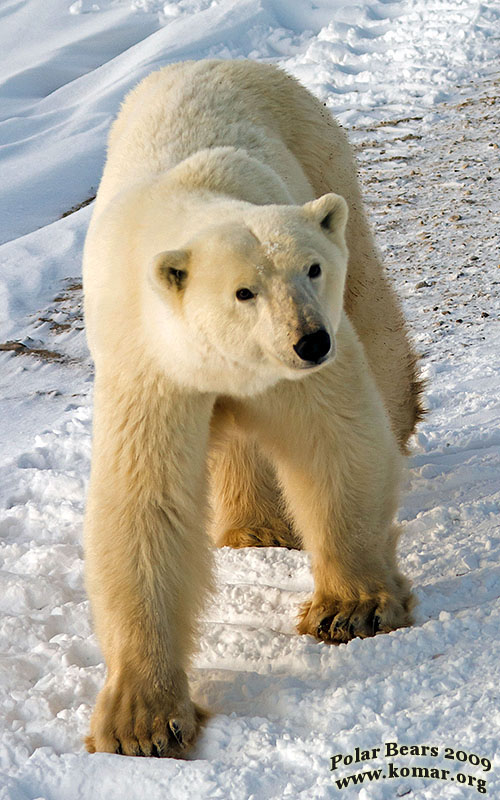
(233, 173)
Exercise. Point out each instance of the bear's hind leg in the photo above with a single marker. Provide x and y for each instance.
(247, 507)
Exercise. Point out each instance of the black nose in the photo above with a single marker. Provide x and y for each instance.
(313, 347)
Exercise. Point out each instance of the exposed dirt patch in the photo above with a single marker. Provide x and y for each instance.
(52, 332)
(20, 349)
(432, 188)
(78, 206)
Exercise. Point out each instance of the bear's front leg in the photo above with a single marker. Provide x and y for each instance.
(147, 560)
(339, 466)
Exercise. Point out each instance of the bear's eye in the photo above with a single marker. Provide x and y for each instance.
(314, 271)
(244, 294)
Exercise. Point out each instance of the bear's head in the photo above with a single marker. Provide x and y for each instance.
(252, 299)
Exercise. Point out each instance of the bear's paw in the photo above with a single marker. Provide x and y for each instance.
(276, 535)
(129, 720)
(337, 621)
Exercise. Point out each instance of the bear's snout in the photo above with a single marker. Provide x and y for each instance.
(313, 347)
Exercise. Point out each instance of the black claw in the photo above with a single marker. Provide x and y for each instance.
(159, 747)
(119, 751)
(340, 627)
(343, 630)
(324, 626)
(341, 623)
(175, 728)
(155, 753)
(345, 627)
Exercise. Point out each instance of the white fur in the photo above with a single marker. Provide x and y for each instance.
(221, 176)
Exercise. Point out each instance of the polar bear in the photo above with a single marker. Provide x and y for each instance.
(254, 380)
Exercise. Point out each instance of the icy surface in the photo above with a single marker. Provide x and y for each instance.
(413, 81)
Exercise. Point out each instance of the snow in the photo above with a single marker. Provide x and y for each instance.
(413, 81)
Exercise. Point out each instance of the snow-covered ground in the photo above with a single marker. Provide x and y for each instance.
(414, 82)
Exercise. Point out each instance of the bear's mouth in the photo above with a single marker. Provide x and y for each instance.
(294, 367)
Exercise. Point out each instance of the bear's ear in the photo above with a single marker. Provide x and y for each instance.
(329, 212)
(169, 270)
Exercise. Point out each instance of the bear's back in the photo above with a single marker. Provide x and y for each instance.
(187, 107)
